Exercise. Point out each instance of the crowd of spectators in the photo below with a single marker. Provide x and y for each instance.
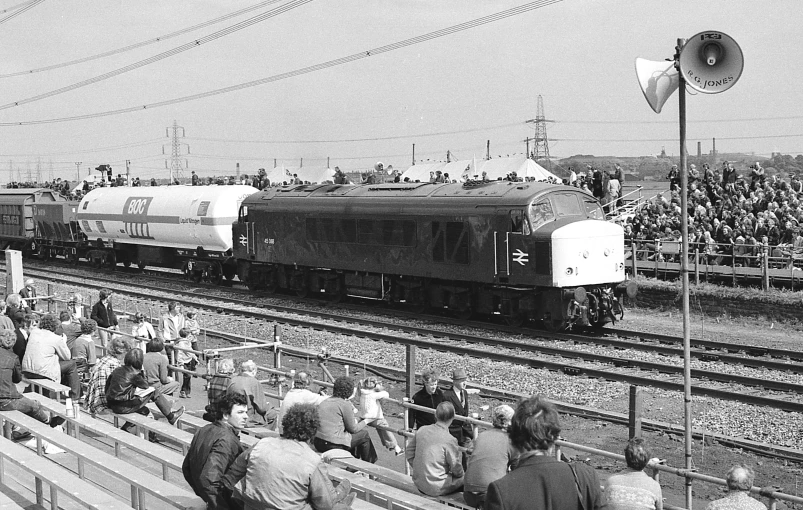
(733, 219)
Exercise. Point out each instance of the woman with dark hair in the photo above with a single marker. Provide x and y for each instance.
(127, 391)
(634, 489)
(339, 429)
(539, 480)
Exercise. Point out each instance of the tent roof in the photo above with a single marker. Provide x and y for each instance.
(494, 169)
(314, 175)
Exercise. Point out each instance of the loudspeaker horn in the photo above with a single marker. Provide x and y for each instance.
(711, 62)
(658, 80)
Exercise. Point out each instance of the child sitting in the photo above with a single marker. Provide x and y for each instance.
(371, 392)
(186, 360)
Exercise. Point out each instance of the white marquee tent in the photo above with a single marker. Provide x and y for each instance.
(494, 169)
(314, 175)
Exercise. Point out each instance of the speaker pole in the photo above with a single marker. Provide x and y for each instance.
(684, 271)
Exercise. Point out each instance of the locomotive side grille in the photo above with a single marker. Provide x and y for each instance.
(542, 263)
(450, 242)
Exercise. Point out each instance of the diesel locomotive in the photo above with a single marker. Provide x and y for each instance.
(522, 250)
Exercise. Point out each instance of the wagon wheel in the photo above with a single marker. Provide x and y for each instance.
(141, 264)
(216, 273)
(229, 272)
(464, 314)
(126, 263)
(555, 325)
(111, 260)
(515, 320)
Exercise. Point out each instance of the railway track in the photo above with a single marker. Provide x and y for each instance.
(760, 391)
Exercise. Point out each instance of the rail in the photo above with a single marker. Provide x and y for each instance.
(712, 260)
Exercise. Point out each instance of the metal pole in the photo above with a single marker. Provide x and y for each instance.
(684, 271)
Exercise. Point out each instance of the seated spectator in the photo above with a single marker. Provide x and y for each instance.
(83, 350)
(299, 394)
(5, 320)
(338, 428)
(217, 387)
(96, 392)
(23, 332)
(247, 385)
(127, 391)
(739, 480)
(540, 480)
(68, 328)
(634, 489)
(10, 398)
(281, 473)
(48, 357)
(434, 456)
(76, 307)
(213, 450)
(15, 308)
(428, 396)
(155, 366)
(143, 330)
(490, 458)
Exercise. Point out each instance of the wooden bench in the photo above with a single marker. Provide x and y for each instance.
(60, 480)
(141, 482)
(6, 503)
(42, 385)
(381, 494)
(398, 480)
(167, 458)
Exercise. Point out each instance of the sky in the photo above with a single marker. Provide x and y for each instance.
(451, 93)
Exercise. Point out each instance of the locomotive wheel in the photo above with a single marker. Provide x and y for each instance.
(464, 315)
(111, 261)
(555, 325)
(141, 264)
(127, 263)
(229, 272)
(302, 292)
(216, 274)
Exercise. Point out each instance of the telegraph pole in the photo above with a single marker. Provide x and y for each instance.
(78, 170)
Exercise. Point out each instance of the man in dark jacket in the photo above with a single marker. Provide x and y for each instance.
(127, 391)
(213, 449)
(458, 396)
(428, 396)
(104, 315)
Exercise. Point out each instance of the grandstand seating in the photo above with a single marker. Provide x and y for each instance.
(141, 482)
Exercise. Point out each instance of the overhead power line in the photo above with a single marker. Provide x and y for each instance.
(515, 11)
(628, 140)
(15, 7)
(20, 8)
(161, 56)
(135, 46)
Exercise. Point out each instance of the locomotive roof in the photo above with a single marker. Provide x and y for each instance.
(410, 196)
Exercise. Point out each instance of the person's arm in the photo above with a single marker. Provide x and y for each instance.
(139, 381)
(211, 476)
(349, 422)
(454, 459)
(95, 317)
(62, 350)
(493, 499)
(321, 490)
(16, 373)
(91, 354)
(236, 471)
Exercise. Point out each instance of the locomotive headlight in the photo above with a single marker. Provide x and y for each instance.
(607, 251)
(585, 254)
(620, 266)
(569, 271)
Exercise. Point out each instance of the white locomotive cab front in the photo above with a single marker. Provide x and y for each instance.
(587, 253)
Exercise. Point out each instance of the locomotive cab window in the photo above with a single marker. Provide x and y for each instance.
(566, 204)
(593, 209)
(519, 223)
(243, 213)
(541, 212)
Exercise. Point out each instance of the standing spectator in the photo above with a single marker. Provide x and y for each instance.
(539, 479)
(634, 489)
(10, 375)
(103, 314)
(246, 384)
(153, 181)
(195, 180)
(155, 366)
(191, 323)
(127, 391)
(213, 450)
(674, 177)
(171, 322)
(218, 386)
(371, 392)
(28, 293)
(739, 479)
(48, 357)
(458, 396)
(187, 360)
(83, 349)
(490, 457)
(75, 307)
(614, 193)
(285, 472)
(435, 457)
(96, 394)
(142, 330)
(338, 427)
(298, 394)
(428, 396)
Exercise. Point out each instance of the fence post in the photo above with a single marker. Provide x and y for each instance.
(277, 352)
(765, 269)
(634, 251)
(410, 371)
(697, 266)
(636, 404)
(50, 302)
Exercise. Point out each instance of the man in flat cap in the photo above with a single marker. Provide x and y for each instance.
(458, 396)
